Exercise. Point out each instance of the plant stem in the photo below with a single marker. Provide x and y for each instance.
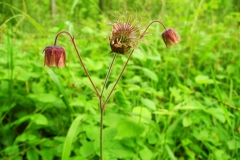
(150, 25)
(79, 57)
(102, 107)
(120, 75)
(101, 132)
(108, 74)
(125, 65)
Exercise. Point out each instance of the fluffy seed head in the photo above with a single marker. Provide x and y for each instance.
(125, 34)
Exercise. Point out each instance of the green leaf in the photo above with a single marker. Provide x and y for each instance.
(203, 79)
(142, 114)
(233, 144)
(218, 113)
(11, 150)
(47, 153)
(146, 153)
(170, 153)
(112, 148)
(44, 97)
(60, 88)
(67, 147)
(92, 131)
(219, 94)
(39, 119)
(111, 119)
(87, 149)
(128, 128)
(187, 121)
(24, 137)
(150, 74)
(32, 154)
(165, 112)
(148, 103)
(28, 17)
(122, 100)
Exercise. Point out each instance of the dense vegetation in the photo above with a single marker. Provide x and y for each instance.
(171, 103)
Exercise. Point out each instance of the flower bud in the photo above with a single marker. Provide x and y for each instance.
(55, 56)
(170, 37)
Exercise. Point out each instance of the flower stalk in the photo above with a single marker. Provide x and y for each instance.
(79, 57)
(126, 35)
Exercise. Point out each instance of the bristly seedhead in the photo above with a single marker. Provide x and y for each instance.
(55, 56)
(125, 33)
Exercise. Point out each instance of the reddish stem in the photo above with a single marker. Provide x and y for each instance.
(125, 65)
(150, 25)
(79, 57)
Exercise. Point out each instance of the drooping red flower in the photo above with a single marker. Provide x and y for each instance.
(55, 56)
(125, 34)
(170, 37)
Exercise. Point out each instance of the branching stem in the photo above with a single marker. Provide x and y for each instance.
(79, 57)
(130, 55)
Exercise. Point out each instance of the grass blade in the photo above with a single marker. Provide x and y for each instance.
(34, 23)
(219, 94)
(70, 136)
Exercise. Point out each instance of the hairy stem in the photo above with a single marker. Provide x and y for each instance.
(79, 57)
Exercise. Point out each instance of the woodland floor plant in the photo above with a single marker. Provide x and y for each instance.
(125, 35)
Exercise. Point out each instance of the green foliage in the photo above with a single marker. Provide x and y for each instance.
(171, 103)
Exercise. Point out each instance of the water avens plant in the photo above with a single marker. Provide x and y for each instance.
(125, 36)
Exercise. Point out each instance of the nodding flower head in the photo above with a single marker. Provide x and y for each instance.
(125, 34)
(55, 56)
(170, 37)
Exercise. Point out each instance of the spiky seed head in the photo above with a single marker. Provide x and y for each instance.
(125, 34)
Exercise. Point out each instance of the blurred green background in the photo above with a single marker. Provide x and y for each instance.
(172, 103)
